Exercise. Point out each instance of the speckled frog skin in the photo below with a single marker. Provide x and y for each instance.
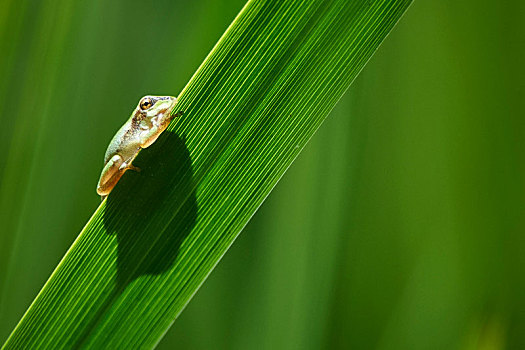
(151, 117)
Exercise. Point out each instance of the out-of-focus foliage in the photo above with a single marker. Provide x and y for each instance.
(400, 226)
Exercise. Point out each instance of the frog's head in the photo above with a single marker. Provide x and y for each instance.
(156, 107)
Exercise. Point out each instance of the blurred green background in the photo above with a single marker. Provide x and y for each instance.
(400, 226)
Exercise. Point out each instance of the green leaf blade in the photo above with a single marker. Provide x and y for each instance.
(259, 96)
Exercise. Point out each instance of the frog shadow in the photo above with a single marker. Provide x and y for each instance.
(148, 238)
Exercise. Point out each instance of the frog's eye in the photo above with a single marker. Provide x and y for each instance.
(146, 103)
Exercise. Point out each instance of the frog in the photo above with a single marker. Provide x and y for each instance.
(150, 118)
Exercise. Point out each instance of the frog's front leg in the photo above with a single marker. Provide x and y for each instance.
(147, 137)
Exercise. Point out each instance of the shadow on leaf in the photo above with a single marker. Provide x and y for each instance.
(148, 237)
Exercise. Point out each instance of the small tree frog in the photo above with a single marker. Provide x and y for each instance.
(151, 117)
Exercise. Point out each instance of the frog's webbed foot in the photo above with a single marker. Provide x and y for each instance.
(134, 168)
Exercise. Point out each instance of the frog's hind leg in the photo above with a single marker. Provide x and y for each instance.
(111, 173)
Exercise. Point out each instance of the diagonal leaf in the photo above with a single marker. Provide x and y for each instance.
(253, 104)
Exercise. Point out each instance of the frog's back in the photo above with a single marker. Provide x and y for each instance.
(122, 143)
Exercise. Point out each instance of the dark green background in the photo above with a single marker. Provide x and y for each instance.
(400, 226)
